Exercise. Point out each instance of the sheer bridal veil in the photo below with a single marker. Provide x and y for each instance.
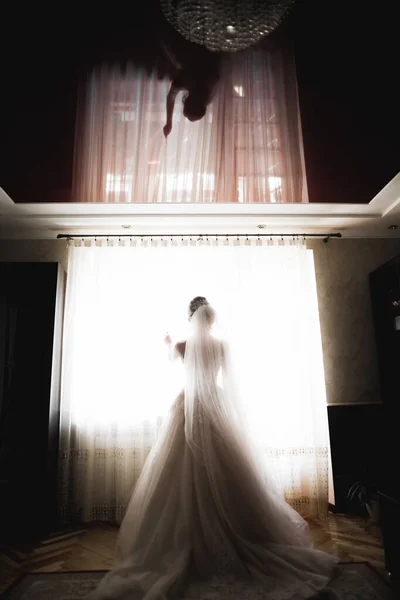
(211, 401)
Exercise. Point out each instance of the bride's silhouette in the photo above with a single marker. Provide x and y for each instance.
(204, 518)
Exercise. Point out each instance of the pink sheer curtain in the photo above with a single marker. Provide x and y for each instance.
(248, 148)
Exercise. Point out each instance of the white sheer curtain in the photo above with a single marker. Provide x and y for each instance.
(117, 383)
(248, 148)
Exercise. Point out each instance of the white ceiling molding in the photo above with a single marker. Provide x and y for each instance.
(47, 220)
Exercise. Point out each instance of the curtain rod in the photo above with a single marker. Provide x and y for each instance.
(326, 236)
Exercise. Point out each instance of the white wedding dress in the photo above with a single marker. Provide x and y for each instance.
(204, 521)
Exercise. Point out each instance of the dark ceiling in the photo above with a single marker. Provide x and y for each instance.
(347, 62)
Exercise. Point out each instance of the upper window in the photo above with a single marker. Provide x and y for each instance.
(246, 149)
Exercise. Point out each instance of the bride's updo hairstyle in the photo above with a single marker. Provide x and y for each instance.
(196, 303)
(208, 313)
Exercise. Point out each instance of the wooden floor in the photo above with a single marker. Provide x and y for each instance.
(351, 539)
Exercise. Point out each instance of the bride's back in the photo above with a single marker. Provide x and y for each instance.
(208, 353)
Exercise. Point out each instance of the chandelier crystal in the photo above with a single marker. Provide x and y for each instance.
(225, 25)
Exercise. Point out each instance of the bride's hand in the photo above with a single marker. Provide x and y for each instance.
(167, 339)
(167, 130)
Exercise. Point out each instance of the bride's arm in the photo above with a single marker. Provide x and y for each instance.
(177, 86)
(225, 358)
(180, 83)
(173, 351)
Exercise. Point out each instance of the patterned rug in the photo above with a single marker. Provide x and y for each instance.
(355, 581)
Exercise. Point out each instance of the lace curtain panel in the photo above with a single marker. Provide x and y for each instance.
(248, 147)
(118, 385)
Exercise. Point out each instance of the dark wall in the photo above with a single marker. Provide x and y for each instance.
(346, 64)
(364, 438)
(28, 443)
(385, 293)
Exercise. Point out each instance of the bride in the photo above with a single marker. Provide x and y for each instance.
(204, 519)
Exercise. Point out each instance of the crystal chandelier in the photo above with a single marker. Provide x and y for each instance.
(225, 25)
